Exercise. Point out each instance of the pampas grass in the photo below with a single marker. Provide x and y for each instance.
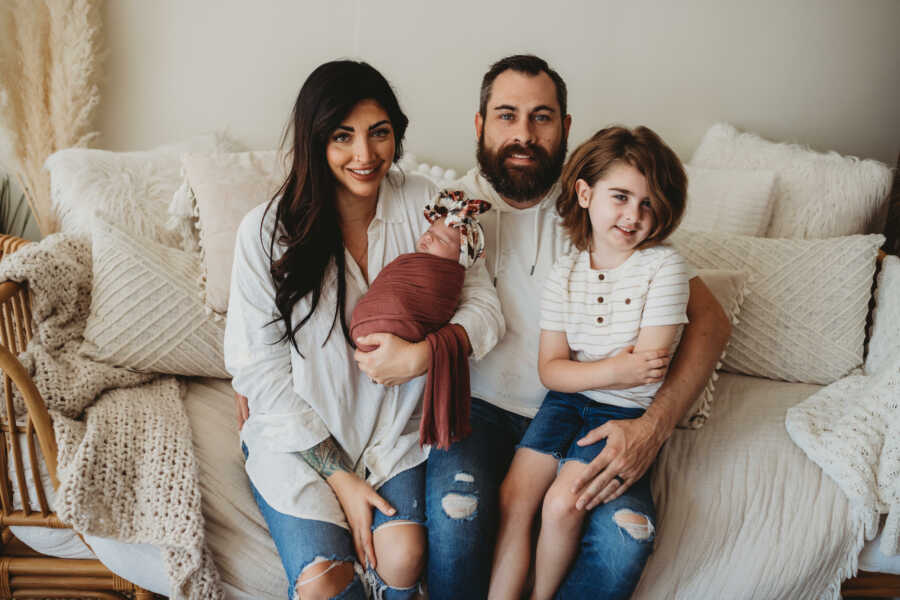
(49, 88)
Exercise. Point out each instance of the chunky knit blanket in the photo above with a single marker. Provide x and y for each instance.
(851, 429)
(126, 462)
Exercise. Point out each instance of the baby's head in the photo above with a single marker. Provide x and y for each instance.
(455, 232)
(626, 186)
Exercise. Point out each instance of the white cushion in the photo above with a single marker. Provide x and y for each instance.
(728, 287)
(222, 188)
(729, 200)
(146, 312)
(885, 339)
(816, 195)
(130, 189)
(804, 316)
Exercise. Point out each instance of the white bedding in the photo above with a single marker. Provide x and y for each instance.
(742, 513)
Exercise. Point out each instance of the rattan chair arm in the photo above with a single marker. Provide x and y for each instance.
(36, 407)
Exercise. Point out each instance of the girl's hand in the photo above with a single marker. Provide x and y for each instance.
(395, 361)
(357, 498)
(639, 368)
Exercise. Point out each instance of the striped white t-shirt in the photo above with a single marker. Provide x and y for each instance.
(602, 311)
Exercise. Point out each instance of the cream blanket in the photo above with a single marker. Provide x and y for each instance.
(126, 462)
(851, 429)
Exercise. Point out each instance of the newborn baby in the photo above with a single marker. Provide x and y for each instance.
(414, 298)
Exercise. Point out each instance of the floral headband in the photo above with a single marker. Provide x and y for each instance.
(461, 213)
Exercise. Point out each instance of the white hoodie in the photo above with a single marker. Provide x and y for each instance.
(522, 245)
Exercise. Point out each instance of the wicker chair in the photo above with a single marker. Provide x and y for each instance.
(25, 573)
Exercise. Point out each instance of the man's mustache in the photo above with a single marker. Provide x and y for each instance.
(532, 151)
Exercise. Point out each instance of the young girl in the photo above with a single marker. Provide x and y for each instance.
(623, 194)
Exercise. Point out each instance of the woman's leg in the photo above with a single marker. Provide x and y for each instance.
(521, 492)
(560, 533)
(400, 540)
(318, 557)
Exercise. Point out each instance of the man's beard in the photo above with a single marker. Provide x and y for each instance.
(520, 183)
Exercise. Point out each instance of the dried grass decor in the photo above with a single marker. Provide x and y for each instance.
(50, 57)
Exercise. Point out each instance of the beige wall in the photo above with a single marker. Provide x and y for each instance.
(821, 72)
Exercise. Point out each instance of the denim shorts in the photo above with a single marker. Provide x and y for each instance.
(302, 541)
(563, 419)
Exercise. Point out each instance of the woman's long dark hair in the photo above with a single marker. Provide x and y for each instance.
(306, 217)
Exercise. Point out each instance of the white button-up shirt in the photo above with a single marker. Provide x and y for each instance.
(297, 402)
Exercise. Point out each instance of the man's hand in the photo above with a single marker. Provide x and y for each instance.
(395, 361)
(638, 368)
(357, 498)
(631, 447)
(242, 409)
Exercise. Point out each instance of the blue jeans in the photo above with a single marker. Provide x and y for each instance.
(301, 541)
(462, 504)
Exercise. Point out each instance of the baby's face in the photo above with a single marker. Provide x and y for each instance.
(440, 240)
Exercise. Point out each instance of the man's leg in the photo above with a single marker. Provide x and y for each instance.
(616, 543)
(462, 506)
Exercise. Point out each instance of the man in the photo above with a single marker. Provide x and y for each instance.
(522, 128)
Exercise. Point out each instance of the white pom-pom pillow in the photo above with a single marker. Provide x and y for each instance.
(729, 200)
(804, 316)
(816, 195)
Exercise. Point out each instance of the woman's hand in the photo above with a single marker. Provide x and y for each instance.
(357, 498)
(395, 361)
(638, 368)
(242, 409)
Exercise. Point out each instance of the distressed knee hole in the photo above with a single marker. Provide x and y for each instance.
(459, 506)
(397, 523)
(464, 477)
(314, 572)
(636, 525)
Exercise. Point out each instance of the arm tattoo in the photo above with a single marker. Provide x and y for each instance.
(326, 458)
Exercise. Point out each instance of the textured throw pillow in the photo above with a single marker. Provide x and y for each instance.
(129, 189)
(816, 195)
(885, 340)
(728, 287)
(224, 188)
(729, 200)
(804, 316)
(146, 312)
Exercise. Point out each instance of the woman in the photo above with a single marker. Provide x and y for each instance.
(325, 433)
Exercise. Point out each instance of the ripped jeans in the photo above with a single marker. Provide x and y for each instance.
(302, 542)
(462, 504)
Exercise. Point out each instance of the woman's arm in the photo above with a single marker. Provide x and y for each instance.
(626, 369)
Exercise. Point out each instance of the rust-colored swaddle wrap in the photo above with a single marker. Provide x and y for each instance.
(413, 298)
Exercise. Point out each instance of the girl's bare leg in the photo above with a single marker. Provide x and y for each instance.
(400, 552)
(560, 532)
(521, 493)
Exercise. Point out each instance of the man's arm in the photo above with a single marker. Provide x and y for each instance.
(632, 444)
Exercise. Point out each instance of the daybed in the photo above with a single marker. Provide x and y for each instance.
(743, 512)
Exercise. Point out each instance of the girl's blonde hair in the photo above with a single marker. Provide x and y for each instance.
(645, 151)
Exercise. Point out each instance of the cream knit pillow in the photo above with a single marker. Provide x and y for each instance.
(728, 287)
(804, 316)
(817, 195)
(146, 312)
(885, 340)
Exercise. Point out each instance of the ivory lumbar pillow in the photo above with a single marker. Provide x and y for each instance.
(146, 312)
(729, 288)
(804, 316)
(817, 195)
(224, 188)
(729, 200)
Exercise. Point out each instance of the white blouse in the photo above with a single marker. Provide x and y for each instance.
(297, 402)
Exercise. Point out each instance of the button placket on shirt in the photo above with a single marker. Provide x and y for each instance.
(601, 290)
